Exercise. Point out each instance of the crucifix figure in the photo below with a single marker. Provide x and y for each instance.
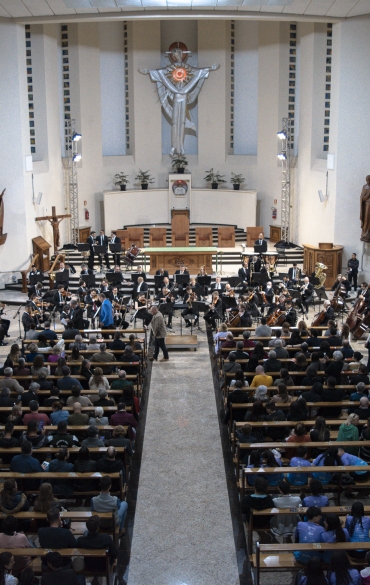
(55, 221)
(2, 236)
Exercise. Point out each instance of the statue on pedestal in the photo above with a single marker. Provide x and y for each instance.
(365, 211)
(178, 86)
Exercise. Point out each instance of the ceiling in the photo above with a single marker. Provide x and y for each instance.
(32, 10)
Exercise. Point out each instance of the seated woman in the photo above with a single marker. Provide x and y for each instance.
(312, 574)
(348, 431)
(358, 526)
(99, 420)
(307, 532)
(298, 435)
(282, 395)
(330, 458)
(319, 433)
(74, 361)
(39, 365)
(269, 459)
(257, 414)
(98, 381)
(284, 378)
(300, 460)
(297, 410)
(316, 498)
(11, 500)
(333, 533)
(341, 572)
(348, 459)
(7, 562)
(10, 538)
(285, 524)
(220, 337)
(46, 499)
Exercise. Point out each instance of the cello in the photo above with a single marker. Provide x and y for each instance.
(357, 310)
(319, 319)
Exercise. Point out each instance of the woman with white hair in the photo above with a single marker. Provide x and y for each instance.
(335, 367)
(261, 393)
(99, 420)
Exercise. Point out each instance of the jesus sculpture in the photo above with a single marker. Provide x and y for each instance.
(178, 86)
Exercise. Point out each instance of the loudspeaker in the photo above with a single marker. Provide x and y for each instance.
(322, 196)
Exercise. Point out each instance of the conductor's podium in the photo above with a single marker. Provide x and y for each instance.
(193, 257)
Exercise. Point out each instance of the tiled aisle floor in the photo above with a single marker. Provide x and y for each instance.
(182, 532)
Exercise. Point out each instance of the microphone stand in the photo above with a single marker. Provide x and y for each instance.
(18, 314)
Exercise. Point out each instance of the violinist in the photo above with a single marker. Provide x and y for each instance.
(291, 313)
(36, 309)
(243, 274)
(228, 292)
(27, 318)
(267, 297)
(4, 323)
(362, 290)
(74, 317)
(60, 298)
(189, 297)
(202, 271)
(165, 296)
(141, 309)
(250, 298)
(215, 310)
(162, 272)
(245, 316)
(104, 287)
(35, 289)
(119, 309)
(82, 291)
(92, 303)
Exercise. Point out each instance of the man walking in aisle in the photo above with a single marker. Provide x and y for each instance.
(159, 332)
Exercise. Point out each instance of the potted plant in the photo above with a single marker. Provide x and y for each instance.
(214, 178)
(236, 180)
(179, 162)
(121, 180)
(144, 178)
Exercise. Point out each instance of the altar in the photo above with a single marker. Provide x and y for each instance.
(170, 258)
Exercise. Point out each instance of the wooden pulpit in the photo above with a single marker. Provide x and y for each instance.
(180, 227)
(41, 247)
(203, 237)
(252, 234)
(157, 237)
(327, 254)
(226, 237)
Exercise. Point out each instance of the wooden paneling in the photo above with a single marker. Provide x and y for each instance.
(332, 258)
(83, 234)
(180, 227)
(131, 236)
(275, 233)
(42, 248)
(252, 234)
(226, 237)
(157, 237)
(203, 236)
(171, 261)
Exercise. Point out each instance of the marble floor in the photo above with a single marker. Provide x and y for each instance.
(183, 531)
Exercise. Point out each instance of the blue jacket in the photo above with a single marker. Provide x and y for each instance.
(106, 313)
(298, 478)
(307, 532)
(25, 464)
(355, 578)
(59, 415)
(330, 536)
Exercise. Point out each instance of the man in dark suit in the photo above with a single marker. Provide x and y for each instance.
(294, 273)
(291, 314)
(91, 240)
(76, 316)
(306, 294)
(85, 271)
(162, 272)
(102, 240)
(243, 274)
(114, 239)
(35, 289)
(59, 300)
(140, 288)
(27, 318)
(140, 272)
(218, 286)
(261, 242)
(182, 270)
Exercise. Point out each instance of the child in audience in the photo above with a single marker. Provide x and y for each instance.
(333, 533)
(330, 457)
(269, 459)
(254, 461)
(312, 574)
(309, 531)
(358, 526)
(299, 461)
(365, 573)
(341, 572)
(260, 500)
(348, 459)
(316, 498)
(285, 524)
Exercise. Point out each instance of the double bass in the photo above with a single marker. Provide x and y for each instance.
(357, 310)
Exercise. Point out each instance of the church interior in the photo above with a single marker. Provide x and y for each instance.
(184, 297)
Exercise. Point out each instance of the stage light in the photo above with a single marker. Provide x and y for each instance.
(281, 135)
(76, 137)
(282, 155)
(77, 157)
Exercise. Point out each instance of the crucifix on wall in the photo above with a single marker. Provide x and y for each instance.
(55, 221)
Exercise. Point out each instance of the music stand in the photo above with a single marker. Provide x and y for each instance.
(322, 296)
(89, 279)
(62, 277)
(294, 293)
(259, 249)
(182, 278)
(114, 248)
(158, 280)
(229, 302)
(100, 249)
(83, 247)
(259, 278)
(114, 277)
(35, 278)
(204, 280)
(234, 281)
